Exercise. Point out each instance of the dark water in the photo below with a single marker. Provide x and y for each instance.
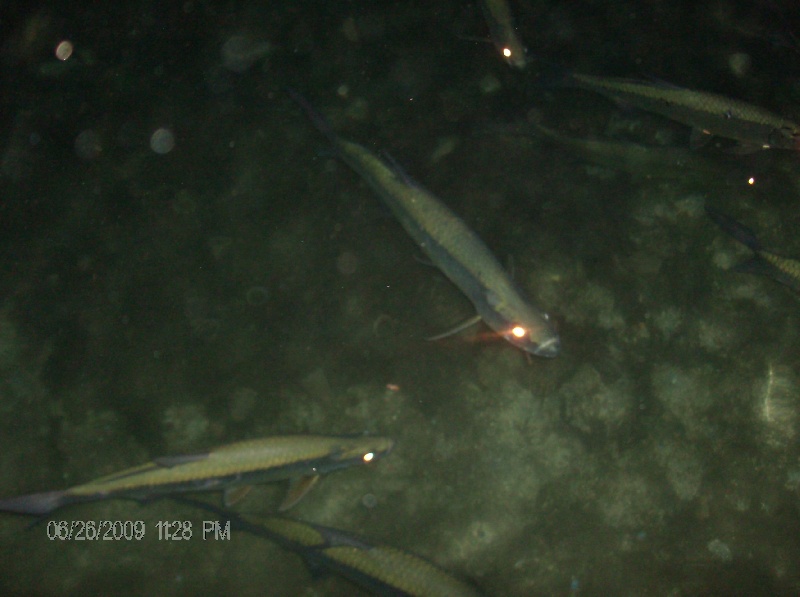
(185, 264)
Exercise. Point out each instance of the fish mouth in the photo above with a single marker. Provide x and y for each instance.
(549, 348)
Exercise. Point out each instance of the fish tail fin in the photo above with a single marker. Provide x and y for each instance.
(35, 504)
(320, 122)
(760, 266)
(763, 263)
(736, 229)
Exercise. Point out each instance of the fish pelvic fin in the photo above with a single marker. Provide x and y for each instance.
(234, 495)
(455, 330)
(298, 488)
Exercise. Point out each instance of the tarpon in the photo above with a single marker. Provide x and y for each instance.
(782, 269)
(707, 113)
(451, 246)
(381, 569)
(301, 458)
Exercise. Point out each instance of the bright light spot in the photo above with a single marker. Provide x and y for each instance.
(64, 50)
(507, 52)
(518, 331)
(392, 387)
(751, 181)
(162, 141)
(369, 457)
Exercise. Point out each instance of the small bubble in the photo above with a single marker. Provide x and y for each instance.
(720, 550)
(162, 141)
(740, 64)
(242, 404)
(240, 52)
(64, 50)
(184, 203)
(347, 263)
(88, 144)
(369, 501)
(257, 296)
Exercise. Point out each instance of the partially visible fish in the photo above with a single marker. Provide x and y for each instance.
(626, 156)
(301, 458)
(782, 269)
(707, 113)
(381, 569)
(504, 32)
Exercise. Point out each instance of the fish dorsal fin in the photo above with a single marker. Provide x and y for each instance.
(298, 488)
(459, 328)
(170, 461)
(234, 495)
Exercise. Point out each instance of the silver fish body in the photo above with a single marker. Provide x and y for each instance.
(234, 465)
(706, 112)
(381, 569)
(458, 252)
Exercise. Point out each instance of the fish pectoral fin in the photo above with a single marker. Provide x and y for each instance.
(459, 328)
(234, 495)
(298, 488)
(170, 461)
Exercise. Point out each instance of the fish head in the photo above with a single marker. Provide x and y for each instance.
(785, 137)
(535, 340)
(515, 55)
(521, 324)
(363, 449)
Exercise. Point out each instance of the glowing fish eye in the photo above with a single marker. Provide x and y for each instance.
(368, 457)
(519, 332)
(507, 52)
